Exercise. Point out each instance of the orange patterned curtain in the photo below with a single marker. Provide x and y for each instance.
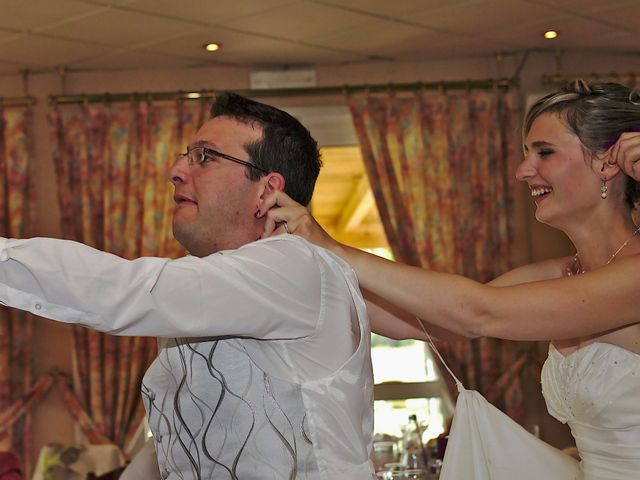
(16, 328)
(441, 166)
(111, 164)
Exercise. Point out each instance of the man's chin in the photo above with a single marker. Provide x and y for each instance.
(192, 242)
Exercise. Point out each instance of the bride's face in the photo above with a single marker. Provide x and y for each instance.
(564, 185)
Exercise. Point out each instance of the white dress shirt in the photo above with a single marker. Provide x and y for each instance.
(264, 365)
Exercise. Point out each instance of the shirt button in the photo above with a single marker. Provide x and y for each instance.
(38, 306)
(165, 473)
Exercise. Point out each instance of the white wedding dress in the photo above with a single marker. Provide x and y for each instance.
(596, 390)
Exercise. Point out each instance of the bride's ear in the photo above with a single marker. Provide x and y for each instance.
(605, 170)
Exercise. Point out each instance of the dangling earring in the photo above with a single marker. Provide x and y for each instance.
(603, 189)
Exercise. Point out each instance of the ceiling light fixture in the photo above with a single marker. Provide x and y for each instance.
(550, 34)
(211, 47)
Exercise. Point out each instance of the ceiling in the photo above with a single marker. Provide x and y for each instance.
(41, 35)
(99, 35)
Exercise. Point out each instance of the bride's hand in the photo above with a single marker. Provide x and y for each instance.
(284, 215)
(626, 153)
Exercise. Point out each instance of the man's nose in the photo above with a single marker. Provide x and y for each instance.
(179, 171)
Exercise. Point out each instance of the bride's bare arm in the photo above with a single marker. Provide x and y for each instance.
(390, 321)
(543, 310)
(534, 272)
(537, 310)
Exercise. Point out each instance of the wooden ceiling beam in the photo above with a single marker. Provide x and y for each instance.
(357, 207)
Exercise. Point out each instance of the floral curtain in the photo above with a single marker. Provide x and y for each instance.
(16, 328)
(441, 166)
(111, 165)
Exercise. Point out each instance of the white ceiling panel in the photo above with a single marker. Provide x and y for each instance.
(118, 28)
(105, 34)
(375, 38)
(570, 30)
(271, 53)
(406, 9)
(618, 16)
(582, 7)
(478, 17)
(245, 50)
(32, 51)
(126, 59)
(220, 11)
(441, 47)
(32, 14)
(303, 21)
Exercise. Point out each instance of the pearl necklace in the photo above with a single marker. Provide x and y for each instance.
(578, 270)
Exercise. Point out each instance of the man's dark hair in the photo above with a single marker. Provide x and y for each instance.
(286, 146)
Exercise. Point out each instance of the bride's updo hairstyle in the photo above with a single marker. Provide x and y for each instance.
(597, 113)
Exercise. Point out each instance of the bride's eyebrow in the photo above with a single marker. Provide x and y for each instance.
(538, 144)
(541, 143)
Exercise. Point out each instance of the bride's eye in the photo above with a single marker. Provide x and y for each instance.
(545, 152)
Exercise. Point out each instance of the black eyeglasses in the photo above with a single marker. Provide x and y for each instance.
(201, 155)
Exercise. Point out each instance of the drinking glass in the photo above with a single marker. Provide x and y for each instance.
(383, 453)
(411, 474)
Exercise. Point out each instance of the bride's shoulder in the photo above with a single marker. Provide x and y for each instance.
(533, 272)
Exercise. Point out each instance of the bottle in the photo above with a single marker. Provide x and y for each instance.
(414, 455)
(435, 457)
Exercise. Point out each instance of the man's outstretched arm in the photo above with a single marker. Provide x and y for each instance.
(267, 289)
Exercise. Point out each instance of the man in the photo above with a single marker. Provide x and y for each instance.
(263, 370)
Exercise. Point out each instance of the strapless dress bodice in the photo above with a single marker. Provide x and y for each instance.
(596, 391)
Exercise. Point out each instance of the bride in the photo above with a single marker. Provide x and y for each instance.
(582, 165)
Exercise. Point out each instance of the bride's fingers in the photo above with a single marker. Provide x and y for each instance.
(281, 229)
(626, 154)
(286, 214)
(267, 202)
(269, 227)
(276, 217)
(276, 198)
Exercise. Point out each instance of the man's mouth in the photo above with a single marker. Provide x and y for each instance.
(183, 200)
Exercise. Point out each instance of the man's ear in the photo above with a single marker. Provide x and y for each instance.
(272, 181)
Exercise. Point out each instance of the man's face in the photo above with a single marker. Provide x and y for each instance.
(215, 202)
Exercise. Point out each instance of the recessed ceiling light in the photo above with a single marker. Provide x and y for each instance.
(551, 34)
(211, 47)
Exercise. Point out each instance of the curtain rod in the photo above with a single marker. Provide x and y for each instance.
(485, 84)
(559, 80)
(17, 101)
